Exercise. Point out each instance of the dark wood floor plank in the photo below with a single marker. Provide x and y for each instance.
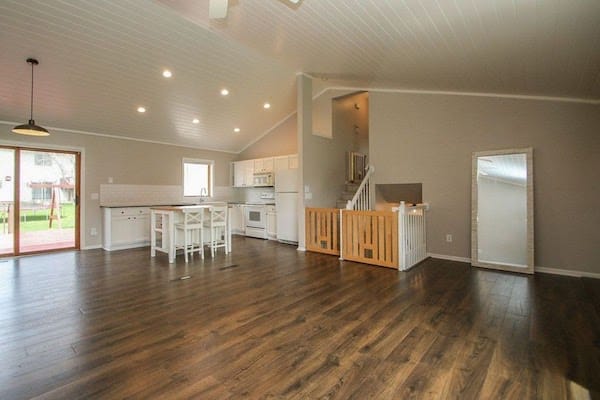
(268, 321)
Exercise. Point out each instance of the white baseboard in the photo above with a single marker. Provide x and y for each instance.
(545, 270)
(568, 272)
(301, 249)
(451, 258)
(92, 247)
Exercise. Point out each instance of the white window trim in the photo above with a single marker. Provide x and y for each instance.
(211, 178)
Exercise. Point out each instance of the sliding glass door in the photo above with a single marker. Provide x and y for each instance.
(40, 200)
(7, 200)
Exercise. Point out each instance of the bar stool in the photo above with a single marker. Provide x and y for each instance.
(193, 232)
(217, 225)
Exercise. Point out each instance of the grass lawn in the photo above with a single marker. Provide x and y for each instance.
(38, 220)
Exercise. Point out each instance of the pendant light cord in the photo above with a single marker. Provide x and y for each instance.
(31, 103)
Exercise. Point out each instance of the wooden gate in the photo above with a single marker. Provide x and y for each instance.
(322, 230)
(370, 237)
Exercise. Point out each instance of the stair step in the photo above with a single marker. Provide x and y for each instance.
(347, 195)
(351, 187)
(341, 204)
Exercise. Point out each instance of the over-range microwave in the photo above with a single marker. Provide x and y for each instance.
(263, 179)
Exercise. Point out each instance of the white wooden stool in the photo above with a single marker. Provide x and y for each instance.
(217, 225)
(193, 232)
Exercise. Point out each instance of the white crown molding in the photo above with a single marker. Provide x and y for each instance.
(472, 94)
(75, 131)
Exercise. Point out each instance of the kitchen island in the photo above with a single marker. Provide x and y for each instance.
(162, 227)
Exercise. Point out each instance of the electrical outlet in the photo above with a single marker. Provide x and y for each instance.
(449, 238)
(93, 232)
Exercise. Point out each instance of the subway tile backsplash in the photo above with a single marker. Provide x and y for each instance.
(116, 195)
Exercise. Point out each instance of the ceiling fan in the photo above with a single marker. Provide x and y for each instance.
(217, 9)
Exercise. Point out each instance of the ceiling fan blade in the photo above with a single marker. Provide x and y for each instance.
(217, 9)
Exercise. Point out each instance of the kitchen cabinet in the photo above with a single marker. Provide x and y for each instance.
(281, 163)
(271, 222)
(236, 218)
(293, 161)
(263, 165)
(243, 173)
(125, 227)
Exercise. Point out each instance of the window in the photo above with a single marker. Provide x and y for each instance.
(197, 177)
(42, 159)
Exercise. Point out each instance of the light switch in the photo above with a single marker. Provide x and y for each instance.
(306, 189)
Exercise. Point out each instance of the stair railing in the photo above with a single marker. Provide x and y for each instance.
(362, 197)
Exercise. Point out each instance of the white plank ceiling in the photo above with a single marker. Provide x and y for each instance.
(100, 59)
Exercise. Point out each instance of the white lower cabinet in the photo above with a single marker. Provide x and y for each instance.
(237, 215)
(271, 222)
(125, 227)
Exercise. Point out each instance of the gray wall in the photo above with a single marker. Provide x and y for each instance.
(352, 123)
(430, 138)
(126, 161)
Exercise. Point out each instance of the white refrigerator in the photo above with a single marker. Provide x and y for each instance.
(286, 205)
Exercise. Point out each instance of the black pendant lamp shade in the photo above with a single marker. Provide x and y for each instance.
(30, 128)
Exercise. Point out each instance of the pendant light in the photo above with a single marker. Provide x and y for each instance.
(30, 128)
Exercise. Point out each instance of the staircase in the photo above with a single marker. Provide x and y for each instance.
(357, 196)
(348, 193)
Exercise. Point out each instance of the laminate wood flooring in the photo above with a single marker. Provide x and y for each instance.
(268, 321)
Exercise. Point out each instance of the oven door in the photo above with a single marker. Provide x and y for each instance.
(255, 217)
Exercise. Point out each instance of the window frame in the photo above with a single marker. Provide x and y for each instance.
(211, 168)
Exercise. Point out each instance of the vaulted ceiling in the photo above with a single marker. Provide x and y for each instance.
(100, 60)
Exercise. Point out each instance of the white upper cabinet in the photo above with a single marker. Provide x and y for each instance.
(243, 173)
(263, 165)
(280, 163)
(293, 161)
(285, 162)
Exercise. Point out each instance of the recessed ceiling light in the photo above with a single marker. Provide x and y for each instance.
(167, 73)
(266, 106)
(236, 130)
(141, 109)
(195, 121)
(224, 92)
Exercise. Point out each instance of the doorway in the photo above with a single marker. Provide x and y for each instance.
(39, 200)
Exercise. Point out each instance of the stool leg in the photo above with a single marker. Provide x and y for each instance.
(185, 244)
(201, 250)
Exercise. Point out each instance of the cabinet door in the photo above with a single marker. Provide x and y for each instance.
(121, 231)
(239, 173)
(140, 228)
(293, 161)
(249, 172)
(267, 164)
(258, 166)
(280, 163)
(272, 224)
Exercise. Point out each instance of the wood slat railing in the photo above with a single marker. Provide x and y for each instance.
(370, 237)
(322, 230)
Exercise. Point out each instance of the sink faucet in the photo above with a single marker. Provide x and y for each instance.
(203, 193)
